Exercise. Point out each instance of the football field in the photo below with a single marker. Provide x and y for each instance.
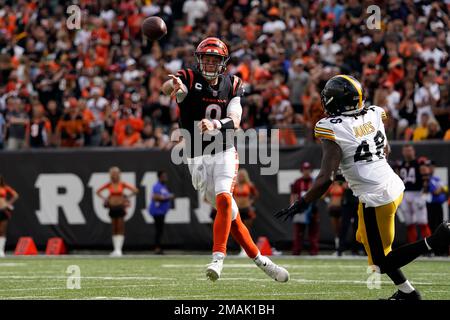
(175, 277)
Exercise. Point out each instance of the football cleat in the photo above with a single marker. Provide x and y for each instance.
(441, 236)
(214, 269)
(400, 295)
(272, 270)
(116, 253)
(2, 254)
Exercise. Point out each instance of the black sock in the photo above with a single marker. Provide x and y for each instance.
(403, 255)
(396, 276)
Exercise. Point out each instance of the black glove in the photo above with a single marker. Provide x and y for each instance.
(299, 206)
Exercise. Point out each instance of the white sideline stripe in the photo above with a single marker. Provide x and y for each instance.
(82, 288)
(309, 281)
(227, 296)
(28, 297)
(350, 281)
(209, 297)
(239, 279)
(114, 298)
(82, 277)
(206, 255)
(13, 275)
(111, 298)
(12, 264)
(268, 294)
(250, 265)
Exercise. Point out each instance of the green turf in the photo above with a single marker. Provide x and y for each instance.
(182, 277)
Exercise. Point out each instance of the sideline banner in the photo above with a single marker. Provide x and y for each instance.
(57, 196)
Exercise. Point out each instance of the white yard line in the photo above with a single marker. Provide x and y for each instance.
(12, 264)
(82, 288)
(113, 298)
(268, 294)
(100, 278)
(27, 297)
(200, 256)
(251, 265)
(307, 281)
(204, 296)
(350, 281)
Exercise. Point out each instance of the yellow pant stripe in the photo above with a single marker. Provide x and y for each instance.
(376, 228)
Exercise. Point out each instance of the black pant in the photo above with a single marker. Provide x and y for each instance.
(349, 212)
(159, 226)
(435, 218)
(435, 215)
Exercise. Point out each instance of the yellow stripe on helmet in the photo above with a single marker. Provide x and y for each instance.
(357, 87)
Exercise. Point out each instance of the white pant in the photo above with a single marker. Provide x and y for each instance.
(414, 208)
(215, 174)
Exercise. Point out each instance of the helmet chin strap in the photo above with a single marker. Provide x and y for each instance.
(354, 112)
(210, 76)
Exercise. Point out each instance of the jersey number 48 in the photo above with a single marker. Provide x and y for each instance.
(363, 152)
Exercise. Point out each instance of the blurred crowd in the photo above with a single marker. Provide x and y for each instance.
(99, 85)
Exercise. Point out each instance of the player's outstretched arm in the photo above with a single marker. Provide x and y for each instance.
(331, 157)
(174, 87)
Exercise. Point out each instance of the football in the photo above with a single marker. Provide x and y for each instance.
(154, 28)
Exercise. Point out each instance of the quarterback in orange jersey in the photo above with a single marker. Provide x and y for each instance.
(210, 108)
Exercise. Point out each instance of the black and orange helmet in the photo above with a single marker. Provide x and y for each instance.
(215, 47)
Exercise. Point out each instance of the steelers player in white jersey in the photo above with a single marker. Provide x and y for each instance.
(354, 141)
